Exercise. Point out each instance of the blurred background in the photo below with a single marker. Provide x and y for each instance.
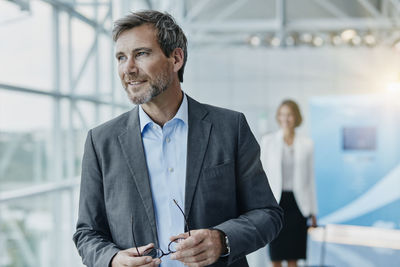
(339, 59)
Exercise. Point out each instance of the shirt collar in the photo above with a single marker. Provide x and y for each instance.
(182, 114)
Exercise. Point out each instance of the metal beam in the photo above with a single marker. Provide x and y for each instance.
(384, 7)
(271, 25)
(184, 8)
(55, 167)
(14, 230)
(70, 138)
(82, 118)
(92, 49)
(24, 5)
(91, 4)
(331, 8)
(112, 68)
(149, 4)
(203, 38)
(235, 26)
(8, 153)
(370, 8)
(230, 9)
(281, 20)
(338, 25)
(37, 190)
(70, 9)
(85, 63)
(75, 97)
(96, 75)
(396, 4)
(196, 10)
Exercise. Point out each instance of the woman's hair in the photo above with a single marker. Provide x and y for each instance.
(295, 109)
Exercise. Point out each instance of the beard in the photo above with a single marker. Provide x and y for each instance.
(153, 89)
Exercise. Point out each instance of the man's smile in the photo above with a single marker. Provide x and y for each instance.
(135, 83)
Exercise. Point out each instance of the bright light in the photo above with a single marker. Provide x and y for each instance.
(369, 39)
(255, 40)
(356, 40)
(394, 87)
(397, 46)
(306, 37)
(275, 41)
(347, 35)
(336, 40)
(318, 41)
(290, 41)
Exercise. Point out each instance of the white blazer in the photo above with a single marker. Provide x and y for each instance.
(303, 180)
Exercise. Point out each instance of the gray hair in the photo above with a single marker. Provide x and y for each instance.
(169, 34)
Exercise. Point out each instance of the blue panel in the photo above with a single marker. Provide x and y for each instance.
(357, 144)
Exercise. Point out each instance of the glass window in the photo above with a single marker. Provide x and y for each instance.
(43, 130)
(26, 45)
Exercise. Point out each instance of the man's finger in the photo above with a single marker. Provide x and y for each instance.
(139, 261)
(144, 248)
(190, 242)
(189, 252)
(202, 256)
(180, 236)
(133, 251)
(181, 255)
(197, 264)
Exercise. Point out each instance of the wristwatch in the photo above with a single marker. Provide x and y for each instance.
(225, 244)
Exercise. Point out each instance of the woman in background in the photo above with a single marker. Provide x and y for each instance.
(287, 158)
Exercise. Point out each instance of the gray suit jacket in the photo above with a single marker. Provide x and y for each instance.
(226, 187)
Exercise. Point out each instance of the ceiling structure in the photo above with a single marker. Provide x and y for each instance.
(283, 22)
(271, 23)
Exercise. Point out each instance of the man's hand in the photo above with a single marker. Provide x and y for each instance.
(203, 247)
(130, 258)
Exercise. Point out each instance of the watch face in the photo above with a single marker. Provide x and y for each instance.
(228, 249)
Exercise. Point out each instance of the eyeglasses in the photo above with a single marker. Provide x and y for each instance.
(157, 252)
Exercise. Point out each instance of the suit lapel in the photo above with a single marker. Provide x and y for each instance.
(132, 148)
(198, 136)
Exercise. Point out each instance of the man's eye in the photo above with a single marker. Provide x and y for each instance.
(120, 58)
(139, 54)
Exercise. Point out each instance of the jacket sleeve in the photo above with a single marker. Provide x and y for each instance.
(313, 196)
(260, 218)
(92, 237)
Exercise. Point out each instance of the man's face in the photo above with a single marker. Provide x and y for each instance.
(144, 70)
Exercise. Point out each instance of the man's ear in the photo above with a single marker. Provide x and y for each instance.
(178, 57)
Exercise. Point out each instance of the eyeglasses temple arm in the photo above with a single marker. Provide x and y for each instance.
(133, 236)
(184, 216)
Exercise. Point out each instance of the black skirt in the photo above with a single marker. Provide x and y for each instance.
(291, 243)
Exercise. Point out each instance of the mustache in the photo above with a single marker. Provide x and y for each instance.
(134, 77)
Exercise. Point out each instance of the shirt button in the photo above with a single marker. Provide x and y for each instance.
(171, 169)
(167, 139)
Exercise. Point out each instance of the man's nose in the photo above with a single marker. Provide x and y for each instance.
(130, 66)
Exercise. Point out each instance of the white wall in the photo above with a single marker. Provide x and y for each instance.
(256, 80)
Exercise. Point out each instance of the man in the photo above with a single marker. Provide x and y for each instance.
(169, 149)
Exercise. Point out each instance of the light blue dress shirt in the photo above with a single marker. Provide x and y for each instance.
(165, 150)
